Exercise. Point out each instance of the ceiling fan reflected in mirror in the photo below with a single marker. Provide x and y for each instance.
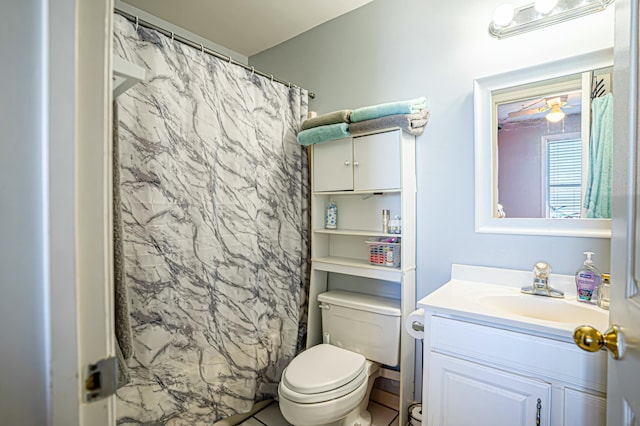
(555, 105)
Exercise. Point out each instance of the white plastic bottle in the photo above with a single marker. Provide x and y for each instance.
(331, 216)
(588, 280)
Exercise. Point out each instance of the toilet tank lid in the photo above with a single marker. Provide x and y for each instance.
(361, 301)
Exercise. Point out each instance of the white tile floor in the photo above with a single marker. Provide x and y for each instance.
(271, 416)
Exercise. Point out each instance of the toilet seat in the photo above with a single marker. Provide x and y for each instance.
(323, 373)
(359, 383)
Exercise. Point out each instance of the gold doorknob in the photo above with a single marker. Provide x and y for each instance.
(590, 339)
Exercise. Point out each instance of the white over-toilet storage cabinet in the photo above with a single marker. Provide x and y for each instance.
(363, 175)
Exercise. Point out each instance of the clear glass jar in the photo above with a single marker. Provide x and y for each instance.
(395, 225)
(604, 292)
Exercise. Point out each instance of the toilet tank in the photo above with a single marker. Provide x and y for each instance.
(362, 323)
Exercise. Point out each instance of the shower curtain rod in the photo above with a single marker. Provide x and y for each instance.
(195, 45)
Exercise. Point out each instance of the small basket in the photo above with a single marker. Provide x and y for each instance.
(384, 254)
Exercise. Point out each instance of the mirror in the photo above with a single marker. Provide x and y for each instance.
(538, 148)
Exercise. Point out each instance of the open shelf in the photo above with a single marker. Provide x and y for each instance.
(357, 267)
(368, 192)
(356, 232)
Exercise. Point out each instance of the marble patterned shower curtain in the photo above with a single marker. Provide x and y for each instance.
(214, 195)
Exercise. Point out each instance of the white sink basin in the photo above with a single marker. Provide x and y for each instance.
(492, 296)
(545, 308)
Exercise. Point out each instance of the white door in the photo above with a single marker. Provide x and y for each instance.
(94, 224)
(79, 199)
(623, 386)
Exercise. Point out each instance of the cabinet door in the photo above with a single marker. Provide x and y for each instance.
(376, 161)
(333, 166)
(584, 409)
(463, 393)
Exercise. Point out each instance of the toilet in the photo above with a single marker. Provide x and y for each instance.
(330, 384)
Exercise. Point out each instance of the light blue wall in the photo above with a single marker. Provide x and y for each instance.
(23, 348)
(400, 49)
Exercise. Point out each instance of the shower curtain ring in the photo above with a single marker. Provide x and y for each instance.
(289, 84)
(201, 48)
(271, 78)
(253, 70)
(137, 23)
(172, 35)
(230, 60)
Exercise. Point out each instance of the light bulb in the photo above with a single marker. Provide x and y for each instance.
(555, 115)
(503, 15)
(545, 6)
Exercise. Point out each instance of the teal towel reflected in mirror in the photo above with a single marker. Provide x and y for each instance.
(597, 200)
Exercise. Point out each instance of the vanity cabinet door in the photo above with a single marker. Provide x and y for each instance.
(333, 166)
(376, 161)
(581, 408)
(463, 393)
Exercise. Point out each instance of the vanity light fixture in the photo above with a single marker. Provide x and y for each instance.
(540, 14)
(503, 15)
(544, 6)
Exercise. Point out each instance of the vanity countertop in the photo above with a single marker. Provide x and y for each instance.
(492, 296)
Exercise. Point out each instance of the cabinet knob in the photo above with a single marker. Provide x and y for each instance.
(591, 340)
(356, 164)
(347, 163)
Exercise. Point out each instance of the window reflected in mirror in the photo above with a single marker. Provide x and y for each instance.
(554, 147)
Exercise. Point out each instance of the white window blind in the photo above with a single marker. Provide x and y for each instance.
(564, 177)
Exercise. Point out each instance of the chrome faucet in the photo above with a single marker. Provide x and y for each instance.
(540, 286)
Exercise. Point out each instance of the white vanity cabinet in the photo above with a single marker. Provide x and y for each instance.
(360, 163)
(363, 175)
(483, 374)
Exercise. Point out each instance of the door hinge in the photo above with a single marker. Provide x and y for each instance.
(102, 379)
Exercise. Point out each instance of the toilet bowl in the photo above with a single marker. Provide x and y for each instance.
(327, 385)
(330, 384)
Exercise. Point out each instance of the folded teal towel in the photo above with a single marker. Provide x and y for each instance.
(403, 107)
(597, 198)
(323, 134)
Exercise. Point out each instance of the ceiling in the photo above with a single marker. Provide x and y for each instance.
(247, 26)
